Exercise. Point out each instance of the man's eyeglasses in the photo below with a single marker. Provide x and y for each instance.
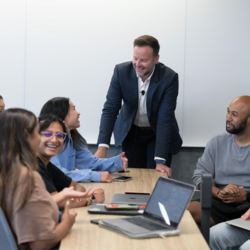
(59, 136)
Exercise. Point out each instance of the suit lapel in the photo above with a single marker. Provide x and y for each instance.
(152, 87)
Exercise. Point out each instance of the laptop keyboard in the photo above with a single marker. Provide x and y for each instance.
(142, 222)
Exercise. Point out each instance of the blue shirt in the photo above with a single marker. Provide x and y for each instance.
(69, 158)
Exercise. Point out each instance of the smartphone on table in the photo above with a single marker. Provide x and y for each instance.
(123, 178)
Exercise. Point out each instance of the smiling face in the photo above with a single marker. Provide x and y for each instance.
(237, 117)
(49, 147)
(71, 120)
(144, 61)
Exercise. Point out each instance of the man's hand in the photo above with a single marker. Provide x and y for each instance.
(246, 215)
(232, 189)
(124, 161)
(106, 177)
(232, 194)
(163, 168)
(99, 195)
(101, 152)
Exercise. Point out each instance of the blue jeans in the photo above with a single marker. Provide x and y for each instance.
(226, 237)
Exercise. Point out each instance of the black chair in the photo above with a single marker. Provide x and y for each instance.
(6, 237)
(206, 204)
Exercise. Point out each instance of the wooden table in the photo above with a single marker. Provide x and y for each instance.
(85, 235)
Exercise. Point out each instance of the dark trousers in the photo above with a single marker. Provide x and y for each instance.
(139, 148)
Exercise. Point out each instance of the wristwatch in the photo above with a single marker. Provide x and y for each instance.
(92, 198)
(161, 162)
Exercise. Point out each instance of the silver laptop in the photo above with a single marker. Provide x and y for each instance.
(245, 224)
(162, 215)
(136, 199)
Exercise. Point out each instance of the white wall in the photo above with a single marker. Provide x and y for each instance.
(216, 67)
(69, 48)
(12, 51)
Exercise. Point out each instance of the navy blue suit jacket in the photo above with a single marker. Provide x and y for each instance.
(161, 104)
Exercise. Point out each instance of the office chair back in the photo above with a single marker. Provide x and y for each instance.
(206, 204)
(7, 241)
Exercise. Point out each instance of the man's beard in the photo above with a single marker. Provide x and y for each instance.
(237, 129)
(147, 72)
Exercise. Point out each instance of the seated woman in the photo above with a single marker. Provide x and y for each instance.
(76, 153)
(53, 133)
(30, 210)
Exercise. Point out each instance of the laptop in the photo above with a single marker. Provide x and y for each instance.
(245, 224)
(135, 199)
(162, 215)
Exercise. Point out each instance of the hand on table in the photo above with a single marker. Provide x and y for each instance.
(164, 169)
(99, 195)
(106, 177)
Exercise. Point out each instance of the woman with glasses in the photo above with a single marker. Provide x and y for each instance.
(30, 210)
(53, 134)
(76, 153)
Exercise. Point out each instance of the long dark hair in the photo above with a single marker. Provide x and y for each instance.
(59, 106)
(15, 151)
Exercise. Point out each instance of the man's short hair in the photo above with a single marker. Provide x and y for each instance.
(148, 41)
(1, 98)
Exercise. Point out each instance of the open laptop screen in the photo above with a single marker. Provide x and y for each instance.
(169, 201)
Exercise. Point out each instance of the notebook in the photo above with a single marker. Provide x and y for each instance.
(99, 208)
(162, 215)
(245, 224)
(136, 199)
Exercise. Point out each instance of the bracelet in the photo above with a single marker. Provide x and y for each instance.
(218, 193)
(88, 201)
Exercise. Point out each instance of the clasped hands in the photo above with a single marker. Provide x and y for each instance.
(232, 194)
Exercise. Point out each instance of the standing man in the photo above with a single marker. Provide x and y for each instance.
(2, 105)
(145, 124)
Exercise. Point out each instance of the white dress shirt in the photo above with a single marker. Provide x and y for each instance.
(141, 119)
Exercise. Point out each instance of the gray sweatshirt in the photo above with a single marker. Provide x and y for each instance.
(227, 162)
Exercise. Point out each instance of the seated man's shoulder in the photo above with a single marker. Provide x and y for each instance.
(221, 138)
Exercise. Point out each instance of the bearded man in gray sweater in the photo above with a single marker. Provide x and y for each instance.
(227, 159)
